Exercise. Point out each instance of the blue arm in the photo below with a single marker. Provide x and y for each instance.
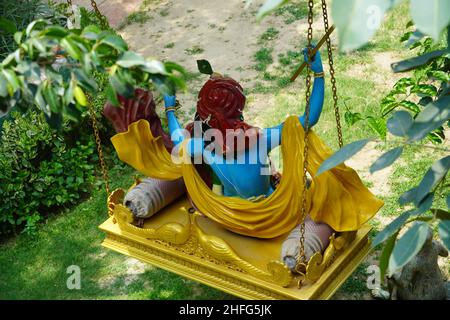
(175, 129)
(273, 134)
(195, 147)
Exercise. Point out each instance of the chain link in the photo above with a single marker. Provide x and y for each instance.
(69, 3)
(100, 16)
(332, 75)
(99, 147)
(301, 262)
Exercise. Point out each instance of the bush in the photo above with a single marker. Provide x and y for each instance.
(41, 170)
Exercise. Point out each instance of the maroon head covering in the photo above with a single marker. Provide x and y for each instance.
(220, 105)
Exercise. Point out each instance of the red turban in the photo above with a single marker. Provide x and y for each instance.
(220, 105)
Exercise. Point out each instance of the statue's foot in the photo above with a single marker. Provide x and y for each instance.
(317, 238)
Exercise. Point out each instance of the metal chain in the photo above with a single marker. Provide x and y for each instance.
(301, 262)
(332, 76)
(100, 16)
(99, 147)
(69, 3)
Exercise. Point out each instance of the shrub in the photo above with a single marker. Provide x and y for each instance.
(41, 170)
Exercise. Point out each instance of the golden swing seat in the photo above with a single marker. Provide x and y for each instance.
(197, 248)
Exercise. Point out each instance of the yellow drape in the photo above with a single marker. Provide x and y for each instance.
(337, 197)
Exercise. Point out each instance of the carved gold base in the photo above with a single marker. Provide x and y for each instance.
(195, 247)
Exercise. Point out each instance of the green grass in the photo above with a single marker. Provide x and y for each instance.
(194, 50)
(270, 34)
(263, 57)
(293, 11)
(140, 17)
(170, 45)
(34, 267)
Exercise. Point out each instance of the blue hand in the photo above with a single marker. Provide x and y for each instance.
(169, 101)
(316, 63)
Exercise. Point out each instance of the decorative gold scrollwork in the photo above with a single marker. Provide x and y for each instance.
(318, 262)
(173, 232)
(277, 272)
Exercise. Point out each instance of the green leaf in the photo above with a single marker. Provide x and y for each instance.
(40, 101)
(402, 84)
(7, 26)
(115, 42)
(268, 7)
(408, 246)
(424, 205)
(172, 66)
(204, 67)
(386, 159)
(444, 232)
(18, 37)
(388, 104)
(432, 177)
(416, 62)
(425, 89)
(71, 48)
(377, 125)
(50, 97)
(130, 59)
(431, 16)
(400, 123)
(341, 155)
(391, 228)
(434, 115)
(3, 85)
(87, 83)
(12, 79)
(410, 106)
(55, 32)
(414, 38)
(91, 32)
(154, 67)
(112, 96)
(386, 254)
(68, 94)
(425, 100)
(72, 112)
(36, 24)
(407, 196)
(441, 214)
(439, 75)
(120, 86)
(38, 45)
(448, 201)
(357, 21)
(80, 97)
(351, 118)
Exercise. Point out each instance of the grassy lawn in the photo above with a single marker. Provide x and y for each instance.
(34, 266)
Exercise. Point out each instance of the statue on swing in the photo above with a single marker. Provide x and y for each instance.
(231, 156)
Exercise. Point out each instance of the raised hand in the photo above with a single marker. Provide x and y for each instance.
(169, 101)
(316, 63)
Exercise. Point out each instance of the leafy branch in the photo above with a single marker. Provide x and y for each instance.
(53, 69)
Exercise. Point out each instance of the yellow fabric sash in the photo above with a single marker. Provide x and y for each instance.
(337, 197)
